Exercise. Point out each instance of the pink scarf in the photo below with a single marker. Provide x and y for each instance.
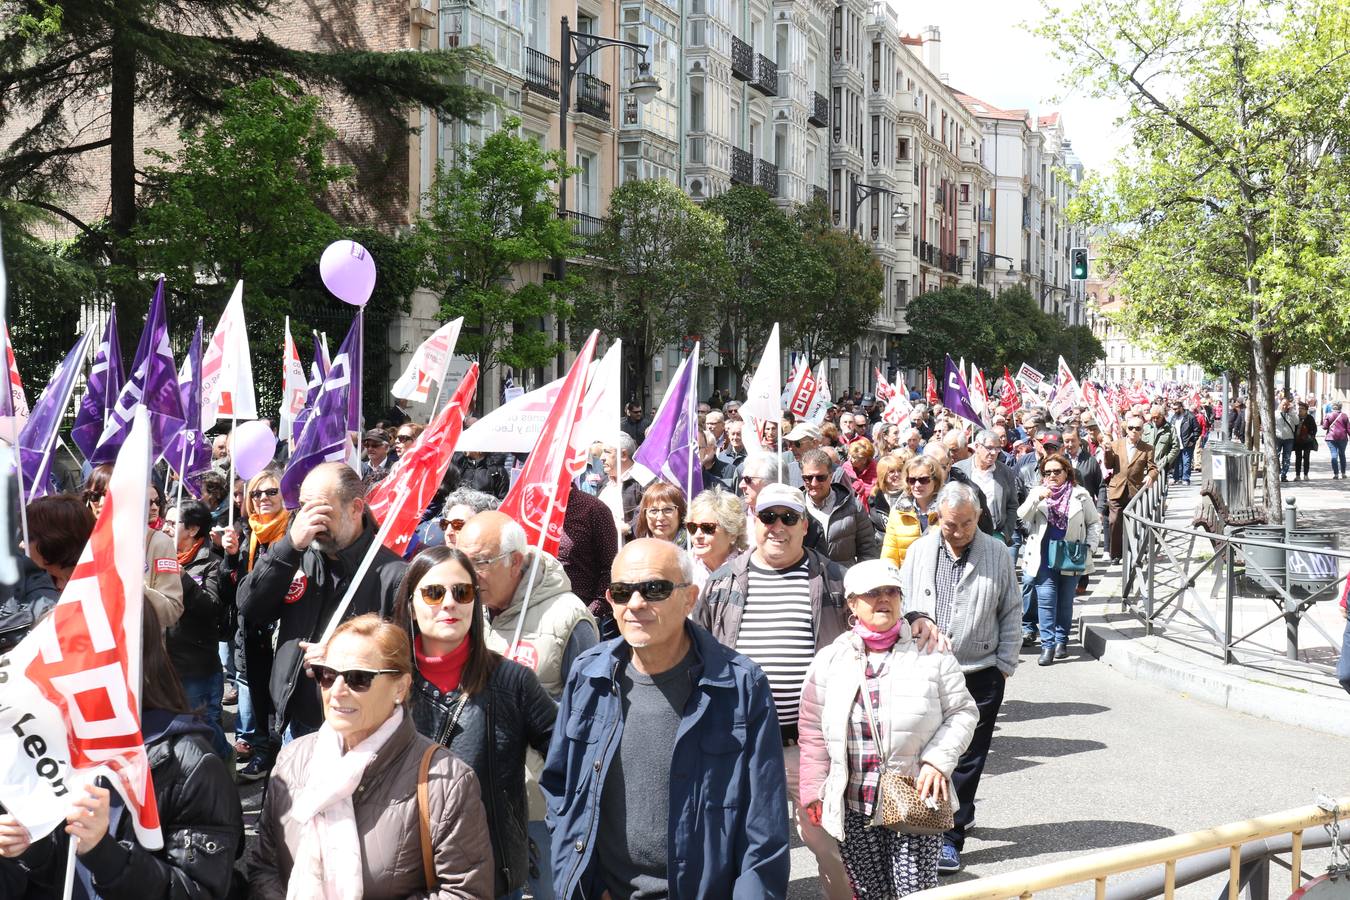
(1057, 504)
(878, 640)
(328, 858)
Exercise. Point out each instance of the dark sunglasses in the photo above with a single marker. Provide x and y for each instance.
(655, 589)
(1054, 471)
(434, 594)
(455, 524)
(404, 438)
(787, 517)
(814, 478)
(263, 492)
(1134, 428)
(708, 528)
(358, 680)
(919, 479)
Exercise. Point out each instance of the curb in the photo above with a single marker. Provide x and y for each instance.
(1298, 706)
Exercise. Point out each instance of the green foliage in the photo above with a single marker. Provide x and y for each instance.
(768, 272)
(1009, 330)
(843, 289)
(661, 261)
(491, 212)
(1230, 212)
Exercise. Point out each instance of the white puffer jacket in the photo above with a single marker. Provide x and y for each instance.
(926, 715)
(1085, 524)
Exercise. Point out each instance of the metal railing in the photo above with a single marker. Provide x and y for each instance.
(541, 73)
(742, 166)
(742, 60)
(766, 76)
(593, 96)
(1162, 567)
(766, 176)
(820, 110)
(1228, 842)
(585, 225)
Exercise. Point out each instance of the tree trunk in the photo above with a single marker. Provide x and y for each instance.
(122, 151)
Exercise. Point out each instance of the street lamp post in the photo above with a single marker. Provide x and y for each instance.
(577, 47)
(862, 191)
(986, 261)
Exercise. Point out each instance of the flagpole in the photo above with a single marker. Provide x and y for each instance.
(13, 423)
(399, 499)
(229, 488)
(691, 412)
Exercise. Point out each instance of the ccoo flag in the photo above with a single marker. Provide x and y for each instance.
(100, 394)
(69, 699)
(955, 395)
(428, 363)
(294, 389)
(325, 437)
(227, 368)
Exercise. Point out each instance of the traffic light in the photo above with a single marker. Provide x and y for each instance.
(1078, 264)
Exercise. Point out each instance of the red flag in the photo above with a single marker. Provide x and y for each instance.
(884, 391)
(409, 487)
(538, 499)
(1009, 400)
(931, 390)
(69, 692)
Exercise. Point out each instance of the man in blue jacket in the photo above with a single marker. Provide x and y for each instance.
(708, 818)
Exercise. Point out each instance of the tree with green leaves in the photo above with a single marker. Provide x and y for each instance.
(490, 213)
(844, 290)
(661, 259)
(172, 62)
(1230, 209)
(767, 272)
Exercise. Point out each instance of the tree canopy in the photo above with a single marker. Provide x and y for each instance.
(843, 291)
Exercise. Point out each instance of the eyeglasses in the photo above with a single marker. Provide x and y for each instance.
(263, 492)
(434, 594)
(1134, 427)
(1055, 471)
(403, 438)
(154, 501)
(358, 680)
(787, 517)
(992, 448)
(455, 524)
(747, 479)
(708, 528)
(811, 479)
(919, 479)
(655, 589)
(661, 511)
(793, 444)
(481, 564)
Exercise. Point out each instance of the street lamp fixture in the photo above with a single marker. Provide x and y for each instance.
(644, 87)
(862, 192)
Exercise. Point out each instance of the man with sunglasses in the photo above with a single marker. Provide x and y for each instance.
(378, 461)
(847, 535)
(1132, 463)
(663, 775)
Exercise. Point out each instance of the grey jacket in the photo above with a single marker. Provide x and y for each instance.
(849, 535)
(1003, 502)
(986, 624)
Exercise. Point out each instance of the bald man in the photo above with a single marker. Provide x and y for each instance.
(687, 719)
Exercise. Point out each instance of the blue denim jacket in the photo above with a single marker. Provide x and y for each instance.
(728, 830)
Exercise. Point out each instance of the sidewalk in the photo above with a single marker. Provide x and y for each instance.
(1183, 655)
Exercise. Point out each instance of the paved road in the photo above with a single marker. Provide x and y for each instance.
(1084, 758)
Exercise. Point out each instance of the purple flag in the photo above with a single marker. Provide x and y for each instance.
(44, 424)
(325, 436)
(671, 448)
(318, 371)
(188, 454)
(153, 384)
(105, 383)
(955, 395)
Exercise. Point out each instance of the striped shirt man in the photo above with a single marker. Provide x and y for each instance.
(777, 632)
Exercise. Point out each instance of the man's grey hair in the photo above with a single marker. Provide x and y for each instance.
(714, 417)
(817, 457)
(955, 439)
(475, 500)
(957, 493)
(627, 446)
(761, 465)
(513, 538)
(988, 436)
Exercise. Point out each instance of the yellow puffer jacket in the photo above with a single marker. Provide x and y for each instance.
(902, 529)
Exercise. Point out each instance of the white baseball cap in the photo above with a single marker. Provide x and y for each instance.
(869, 575)
(780, 495)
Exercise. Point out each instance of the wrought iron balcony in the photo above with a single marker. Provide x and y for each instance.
(742, 167)
(541, 73)
(951, 263)
(742, 60)
(986, 214)
(766, 176)
(593, 96)
(766, 76)
(820, 111)
(584, 225)
(820, 194)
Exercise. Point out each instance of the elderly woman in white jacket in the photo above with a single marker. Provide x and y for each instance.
(1060, 510)
(925, 719)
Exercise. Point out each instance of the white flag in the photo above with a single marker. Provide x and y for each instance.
(294, 388)
(428, 363)
(763, 397)
(227, 368)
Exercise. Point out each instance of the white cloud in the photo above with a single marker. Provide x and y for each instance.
(988, 53)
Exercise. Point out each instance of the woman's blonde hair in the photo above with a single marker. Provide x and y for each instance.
(934, 471)
(729, 512)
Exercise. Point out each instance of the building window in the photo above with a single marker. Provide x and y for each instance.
(965, 193)
(902, 148)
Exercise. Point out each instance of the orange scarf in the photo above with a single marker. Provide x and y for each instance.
(188, 555)
(265, 531)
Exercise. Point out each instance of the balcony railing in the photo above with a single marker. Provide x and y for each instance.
(767, 177)
(742, 167)
(766, 76)
(742, 60)
(951, 263)
(986, 214)
(820, 111)
(541, 73)
(820, 194)
(593, 96)
(584, 225)
(928, 253)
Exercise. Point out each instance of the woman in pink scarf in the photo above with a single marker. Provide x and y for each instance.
(1063, 526)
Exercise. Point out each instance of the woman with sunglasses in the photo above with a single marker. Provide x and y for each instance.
(916, 510)
(156, 501)
(716, 530)
(660, 515)
(486, 709)
(343, 804)
(1060, 516)
(264, 523)
(887, 491)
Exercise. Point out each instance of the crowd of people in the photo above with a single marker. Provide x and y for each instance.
(646, 714)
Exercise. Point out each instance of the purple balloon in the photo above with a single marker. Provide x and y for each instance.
(253, 446)
(348, 271)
